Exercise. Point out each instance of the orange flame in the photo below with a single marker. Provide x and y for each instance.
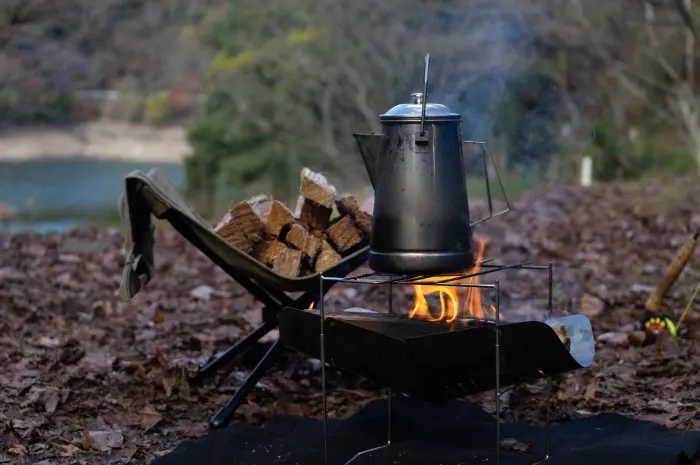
(311, 307)
(450, 307)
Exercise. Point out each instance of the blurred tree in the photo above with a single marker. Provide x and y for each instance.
(54, 48)
(290, 83)
(157, 107)
(634, 44)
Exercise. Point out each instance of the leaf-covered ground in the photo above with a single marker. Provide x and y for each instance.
(88, 379)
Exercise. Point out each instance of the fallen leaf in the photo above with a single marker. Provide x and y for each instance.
(613, 338)
(202, 292)
(89, 442)
(98, 360)
(514, 445)
(581, 414)
(643, 288)
(72, 352)
(196, 431)
(637, 338)
(102, 440)
(149, 417)
(663, 405)
(127, 453)
(591, 306)
(168, 383)
(66, 258)
(101, 309)
(48, 396)
(681, 418)
(17, 449)
(47, 342)
(69, 449)
(591, 389)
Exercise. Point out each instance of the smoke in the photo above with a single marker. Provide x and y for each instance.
(497, 79)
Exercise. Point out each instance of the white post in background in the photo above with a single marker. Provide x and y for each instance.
(586, 171)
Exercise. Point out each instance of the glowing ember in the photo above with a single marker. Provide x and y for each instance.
(451, 308)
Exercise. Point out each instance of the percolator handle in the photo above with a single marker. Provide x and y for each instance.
(485, 156)
(425, 93)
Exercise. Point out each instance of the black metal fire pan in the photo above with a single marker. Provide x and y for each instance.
(430, 360)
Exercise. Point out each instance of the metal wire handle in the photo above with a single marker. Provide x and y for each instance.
(486, 155)
(425, 93)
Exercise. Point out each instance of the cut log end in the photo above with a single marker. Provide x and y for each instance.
(344, 234)
(301, 238)
(246, 218)
(288, 262)
(268, 250)
(241, 241)
(327, 258)
(315, 187)
(312, 215)
(347, 205)
(278, 218)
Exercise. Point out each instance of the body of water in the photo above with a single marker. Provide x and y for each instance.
(67, 190)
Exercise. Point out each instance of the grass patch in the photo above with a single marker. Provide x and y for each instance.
(513, 185)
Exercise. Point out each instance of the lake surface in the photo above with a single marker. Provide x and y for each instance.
(69, 188)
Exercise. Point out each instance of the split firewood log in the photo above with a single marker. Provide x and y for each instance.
(278, 218)
(315, 187)
(288, 262)
(347, 205)
(343, 234)
(316, 217)
(300, 242)
(243, 225)
(267, 250)
(234, 237)
(327, 258)
(302, 239)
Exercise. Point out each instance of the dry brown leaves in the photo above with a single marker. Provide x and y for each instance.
(88, 379)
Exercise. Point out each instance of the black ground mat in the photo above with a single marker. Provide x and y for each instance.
(454, 433)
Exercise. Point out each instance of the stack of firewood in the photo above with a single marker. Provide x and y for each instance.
(308, 240)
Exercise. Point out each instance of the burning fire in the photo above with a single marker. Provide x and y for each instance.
(451, 308)
(311, 307)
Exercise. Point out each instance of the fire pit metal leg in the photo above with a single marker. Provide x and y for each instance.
(323, 385)
(498, 371)
(388, 440)
(323, 373)
(388, 403)
(548, 424)
(550, 307)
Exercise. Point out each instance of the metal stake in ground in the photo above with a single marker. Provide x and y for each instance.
(653, 304)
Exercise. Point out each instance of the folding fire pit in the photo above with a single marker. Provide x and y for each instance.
(422, 236)
(440, 360)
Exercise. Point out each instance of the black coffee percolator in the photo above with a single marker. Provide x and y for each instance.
(421, 222)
